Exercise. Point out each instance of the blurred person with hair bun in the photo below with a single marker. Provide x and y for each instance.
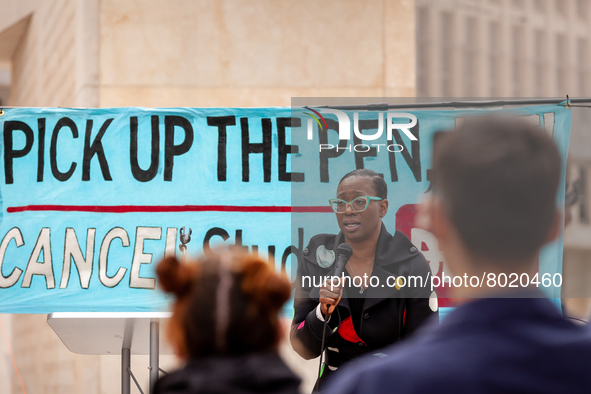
(225, 325)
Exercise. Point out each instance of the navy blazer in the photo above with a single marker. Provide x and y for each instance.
(496, 345)
(389, 313)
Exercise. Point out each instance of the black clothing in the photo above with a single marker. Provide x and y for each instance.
(388, 313)
(253, 373)
(356, 306)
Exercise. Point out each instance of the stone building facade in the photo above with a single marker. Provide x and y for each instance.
(196, 53)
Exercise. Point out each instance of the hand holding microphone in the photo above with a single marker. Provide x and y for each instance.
(331, 294)
(330, 298)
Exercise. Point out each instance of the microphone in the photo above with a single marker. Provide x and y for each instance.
(344, 252)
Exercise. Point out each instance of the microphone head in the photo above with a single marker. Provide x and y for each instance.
(345, 250)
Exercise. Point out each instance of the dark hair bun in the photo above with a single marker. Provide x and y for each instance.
(268, 289)
(174, 277)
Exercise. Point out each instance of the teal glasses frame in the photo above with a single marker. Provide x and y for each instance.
(335, 201)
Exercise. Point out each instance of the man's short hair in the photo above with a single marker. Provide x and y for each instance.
(498, 179)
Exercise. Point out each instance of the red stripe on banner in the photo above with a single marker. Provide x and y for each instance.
(166, 208)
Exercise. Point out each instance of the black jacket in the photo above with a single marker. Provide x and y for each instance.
(389, 313)
(253, 373)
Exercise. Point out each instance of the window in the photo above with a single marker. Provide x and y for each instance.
(517, 60)
(560, 65)
(494, 58)
(540, 6)
(447, 54)
(540, 63)
(560, 7)
(423, 50)
(583, 67)
(470, 57)
(583, 208)
(582, 9)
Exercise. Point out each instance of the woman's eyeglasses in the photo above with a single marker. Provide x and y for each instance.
(359, 204)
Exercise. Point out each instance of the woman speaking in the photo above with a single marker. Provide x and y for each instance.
(364, 315)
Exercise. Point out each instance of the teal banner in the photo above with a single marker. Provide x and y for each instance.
(91, 199)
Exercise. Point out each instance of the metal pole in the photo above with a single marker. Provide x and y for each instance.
(455, 104)
(125, 366)
(154, 350)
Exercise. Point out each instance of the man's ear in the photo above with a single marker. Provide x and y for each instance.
(556, 226)
(440, 222)
(431, 217)
(423, 215)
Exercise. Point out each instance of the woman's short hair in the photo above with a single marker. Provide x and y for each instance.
(379, 184)
(227, 303)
